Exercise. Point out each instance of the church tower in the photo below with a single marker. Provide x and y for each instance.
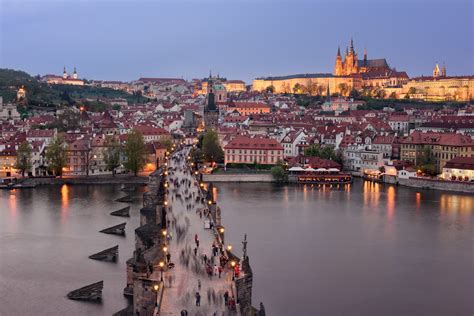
(338, 67)
(74, 75)
(64, 73)
(443, 71)
(211, 113)
(436, 71)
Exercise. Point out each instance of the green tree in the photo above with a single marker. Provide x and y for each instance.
(270, 89)
(297, 88)
(56, 155)
(426, 162)
(135, 152)
(23, 158)
(211, 149)
(167, 143)
(354, 94)
(112, 153)
(412, 90)
(324, 152)
(343, 88)
(279, 174)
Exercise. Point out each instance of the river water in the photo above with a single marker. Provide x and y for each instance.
(364, 249)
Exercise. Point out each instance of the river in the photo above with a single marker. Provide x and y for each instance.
(364, 249)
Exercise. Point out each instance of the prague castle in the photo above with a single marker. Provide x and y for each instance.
(373, 75)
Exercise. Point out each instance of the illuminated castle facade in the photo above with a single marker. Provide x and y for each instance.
(373, 75)
(353, 65)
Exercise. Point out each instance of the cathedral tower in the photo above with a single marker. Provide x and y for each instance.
(436, 71)
(338, 67)
(74, 75)
(64, 73)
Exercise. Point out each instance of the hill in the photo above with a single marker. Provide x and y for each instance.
(40, 94)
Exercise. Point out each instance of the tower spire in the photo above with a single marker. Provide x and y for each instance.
(338, 51)
(328, 95)
(352, 46)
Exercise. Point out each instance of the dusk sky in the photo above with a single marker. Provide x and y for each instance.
(125, 40)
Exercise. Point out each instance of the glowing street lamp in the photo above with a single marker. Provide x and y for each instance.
(229, 248)
(221, 230)
(162, 264)
(156, 287)
(232, 263)
(166, 203)
(165, 249)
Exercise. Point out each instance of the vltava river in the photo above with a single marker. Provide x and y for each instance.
(364, 249)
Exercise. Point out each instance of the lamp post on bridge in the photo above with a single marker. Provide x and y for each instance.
(162, 264)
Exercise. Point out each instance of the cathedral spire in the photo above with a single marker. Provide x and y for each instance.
(338, 51)
(352, 46)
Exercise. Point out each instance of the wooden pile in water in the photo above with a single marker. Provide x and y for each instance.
(91, 292)
(109, 255)
(116, 230)
(123, 212)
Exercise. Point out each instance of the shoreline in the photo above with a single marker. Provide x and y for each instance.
(420, 183)
(102, 180)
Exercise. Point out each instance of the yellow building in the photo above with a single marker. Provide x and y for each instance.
(459, 88)
(202, 87)
(314, 84)
(443, 146)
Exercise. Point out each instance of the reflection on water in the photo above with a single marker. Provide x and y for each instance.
(360, 249)
(46, 236)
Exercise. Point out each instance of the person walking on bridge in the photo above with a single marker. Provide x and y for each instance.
(198, 299)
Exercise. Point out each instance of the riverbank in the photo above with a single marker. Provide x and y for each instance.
(106, 180)
(243, 177)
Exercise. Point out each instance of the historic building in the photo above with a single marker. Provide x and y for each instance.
(204, 86)
(350, 73)
(353, 65)
(65, 79)
(443, 147)
(211, 113)
(246, 150)
(375, 75)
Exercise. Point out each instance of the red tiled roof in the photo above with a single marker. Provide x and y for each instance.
(243, 142)
(461, 163)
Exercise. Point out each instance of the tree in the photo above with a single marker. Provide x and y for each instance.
(56, 156)
(167, 143)
(211, 149)
(297, 88)
(23, 158)
(324, 152)
(412, 90)
(426, 162)
(112, 153)
(135, 152)
(354, 94)
(279, 174)
(343, 88)
(270, 89)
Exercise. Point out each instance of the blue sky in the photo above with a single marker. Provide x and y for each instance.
(124, 40)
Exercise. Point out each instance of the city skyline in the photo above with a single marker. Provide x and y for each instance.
(239, 40)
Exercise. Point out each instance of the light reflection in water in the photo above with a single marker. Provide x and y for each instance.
(418, 200)
(12, 203)
(64, 201)
(456, 207)
(390, 202)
